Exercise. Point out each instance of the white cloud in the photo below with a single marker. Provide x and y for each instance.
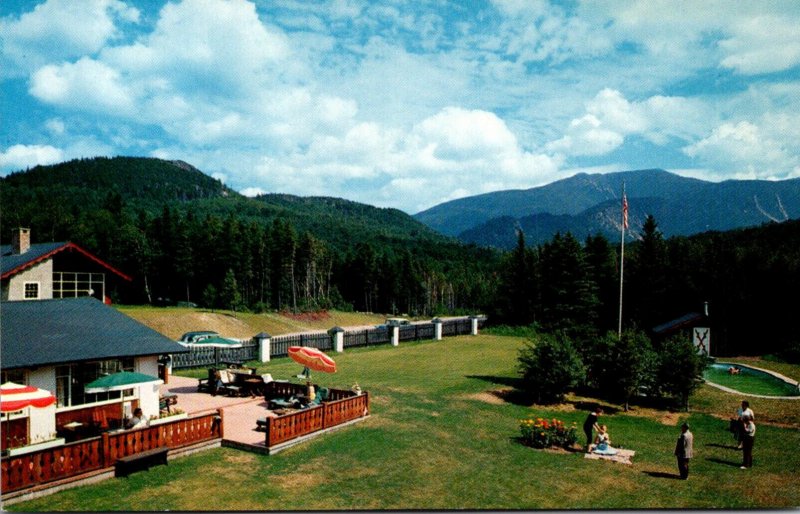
(452, 153)
(55, 126)
(536, 31)
(87, 85)
(18, 157)
(610, 118)
(460, 134)
(62, 29)
(752, 151)
(252, 191)
(407, 107)
(763, 44)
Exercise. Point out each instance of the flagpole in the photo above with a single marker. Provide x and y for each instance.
(622, 256)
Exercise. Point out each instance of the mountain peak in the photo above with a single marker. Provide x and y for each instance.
(583, 204)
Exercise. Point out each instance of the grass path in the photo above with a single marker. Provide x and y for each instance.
(441, 436)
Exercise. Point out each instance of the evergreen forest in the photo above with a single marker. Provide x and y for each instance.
(185, 237)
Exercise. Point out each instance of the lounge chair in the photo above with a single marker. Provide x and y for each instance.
(209, 384)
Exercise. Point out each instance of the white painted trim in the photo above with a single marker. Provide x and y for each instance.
(59, 441)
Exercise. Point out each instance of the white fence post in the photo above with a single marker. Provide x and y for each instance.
(474, 320)
(437, 328)
(264, 341)
(395, 335)
(337, 333)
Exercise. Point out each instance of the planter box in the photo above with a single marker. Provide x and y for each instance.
(52, 443)
(168, 419)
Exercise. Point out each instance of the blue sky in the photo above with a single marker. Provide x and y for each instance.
(405, 104)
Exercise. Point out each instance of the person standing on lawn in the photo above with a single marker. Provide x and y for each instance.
(748, 438)
(591, 424)
(684, 450)
(742, 412)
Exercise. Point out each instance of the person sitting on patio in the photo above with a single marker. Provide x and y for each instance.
(218, 385)
(137, 420)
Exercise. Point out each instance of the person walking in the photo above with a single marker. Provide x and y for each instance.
(684, 450)
(748, 438)
(591, 424)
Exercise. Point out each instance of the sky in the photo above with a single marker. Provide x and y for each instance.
(404, 104)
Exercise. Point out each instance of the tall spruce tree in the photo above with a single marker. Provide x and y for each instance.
(569, 295)
(517, 291)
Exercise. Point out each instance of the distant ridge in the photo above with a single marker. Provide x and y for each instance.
(587, 204)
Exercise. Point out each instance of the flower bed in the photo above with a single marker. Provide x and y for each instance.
(544, 433)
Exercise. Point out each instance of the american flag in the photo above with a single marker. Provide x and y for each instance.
(624, 211)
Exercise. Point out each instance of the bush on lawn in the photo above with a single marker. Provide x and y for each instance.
(550, 366)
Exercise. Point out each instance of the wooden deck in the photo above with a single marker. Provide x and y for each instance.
(240, 416)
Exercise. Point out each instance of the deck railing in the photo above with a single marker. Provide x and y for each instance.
(74, 459)
(348, 407)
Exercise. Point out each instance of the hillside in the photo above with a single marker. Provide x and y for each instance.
(175, 321)
(590, 204)
(48, 198)
(184, 236)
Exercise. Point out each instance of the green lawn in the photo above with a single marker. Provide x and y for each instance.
(441, 438)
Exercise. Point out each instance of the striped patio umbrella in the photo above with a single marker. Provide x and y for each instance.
(312, 358)
(14, 397)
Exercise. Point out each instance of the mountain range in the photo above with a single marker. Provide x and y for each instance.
(587, 204)
(584, 204)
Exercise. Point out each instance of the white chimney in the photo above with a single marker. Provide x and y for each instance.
(20, 240)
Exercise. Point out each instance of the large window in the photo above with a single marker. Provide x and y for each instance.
(71, 381)
(31, 290)
(72, 284)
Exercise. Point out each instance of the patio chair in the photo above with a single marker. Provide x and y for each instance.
(280, 403)
(207, 384)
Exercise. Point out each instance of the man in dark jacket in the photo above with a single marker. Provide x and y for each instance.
(684, 450)
(591, 424)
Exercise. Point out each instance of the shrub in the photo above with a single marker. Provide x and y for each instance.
(621, 368)
(543, 433)
(680, 369)
(550, 366)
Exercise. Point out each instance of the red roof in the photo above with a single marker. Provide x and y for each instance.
(21, 264)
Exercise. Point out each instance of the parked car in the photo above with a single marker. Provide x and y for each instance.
(199, 335)
(394, 322)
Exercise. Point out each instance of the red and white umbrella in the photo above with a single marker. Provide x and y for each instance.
(14, 397)
(312, 358)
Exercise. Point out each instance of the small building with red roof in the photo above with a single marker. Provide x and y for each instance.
(46, 271)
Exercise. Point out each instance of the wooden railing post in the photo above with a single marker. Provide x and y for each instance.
(106, 456)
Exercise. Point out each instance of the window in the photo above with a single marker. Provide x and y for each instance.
(14, 375)
(31, 290)
(71, 381)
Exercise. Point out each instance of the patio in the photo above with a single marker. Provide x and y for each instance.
(240, 413)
